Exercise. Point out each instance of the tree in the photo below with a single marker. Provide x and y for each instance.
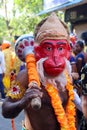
(21, 18)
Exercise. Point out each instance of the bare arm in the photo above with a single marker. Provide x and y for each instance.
(84, 105)
(12, 107)
(79, 64)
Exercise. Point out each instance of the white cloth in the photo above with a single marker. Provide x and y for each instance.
(77, 101)
(2, 63)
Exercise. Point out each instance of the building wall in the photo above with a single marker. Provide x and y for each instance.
(80, 28)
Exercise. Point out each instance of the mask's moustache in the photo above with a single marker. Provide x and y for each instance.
(55, 81)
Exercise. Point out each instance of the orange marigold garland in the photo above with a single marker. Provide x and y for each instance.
(66, 118)
(57, 105)
(32, 72)
(70, 108)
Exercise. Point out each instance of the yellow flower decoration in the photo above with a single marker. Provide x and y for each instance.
(16, 91)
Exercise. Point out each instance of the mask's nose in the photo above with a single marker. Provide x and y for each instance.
(56, 56)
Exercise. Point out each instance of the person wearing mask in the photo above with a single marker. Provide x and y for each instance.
(47, 77)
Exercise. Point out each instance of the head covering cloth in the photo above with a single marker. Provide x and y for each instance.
(51, 28)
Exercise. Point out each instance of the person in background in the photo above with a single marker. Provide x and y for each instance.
(84, 38)
(73, 64)
(81, 60)
(72, 59)
(75, 77)
(12, 64)
(80, 55)
(2, 72)
(83, 86)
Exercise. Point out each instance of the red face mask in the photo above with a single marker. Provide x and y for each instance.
(55, 51)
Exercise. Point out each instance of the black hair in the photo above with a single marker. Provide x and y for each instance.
(81, 43)
(84, 37)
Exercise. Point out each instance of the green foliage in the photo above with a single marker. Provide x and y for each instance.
(23, 20)
(3, 28)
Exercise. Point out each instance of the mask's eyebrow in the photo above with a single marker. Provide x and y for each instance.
(61, 42)
(48, 42)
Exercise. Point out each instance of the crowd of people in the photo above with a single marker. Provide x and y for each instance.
(78, 61)
(53, 71)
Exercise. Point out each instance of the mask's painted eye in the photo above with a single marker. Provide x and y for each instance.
(49, 48)
(60, 49)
